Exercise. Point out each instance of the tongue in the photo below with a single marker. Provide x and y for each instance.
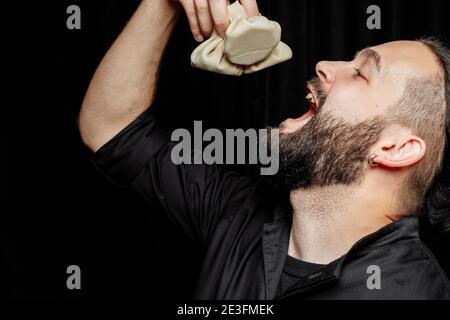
(292, 125)
(306, 116)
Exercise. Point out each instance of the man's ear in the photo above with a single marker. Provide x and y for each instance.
(399, 150)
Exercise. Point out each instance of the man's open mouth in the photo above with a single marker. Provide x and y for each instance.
(312, 105)
(291, 125)
(312, 100)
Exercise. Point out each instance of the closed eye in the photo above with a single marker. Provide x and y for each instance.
(358, 74)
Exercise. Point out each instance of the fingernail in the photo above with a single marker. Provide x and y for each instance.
(199, 38)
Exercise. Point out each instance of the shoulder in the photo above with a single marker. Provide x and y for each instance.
(406, 270)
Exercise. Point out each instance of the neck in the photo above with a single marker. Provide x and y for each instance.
(328, 221)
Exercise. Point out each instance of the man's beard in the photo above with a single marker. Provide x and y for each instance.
(326, 151)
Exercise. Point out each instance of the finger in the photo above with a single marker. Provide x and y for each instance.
(204, 17)
(219, 12)
(250, 6)
(189, 7)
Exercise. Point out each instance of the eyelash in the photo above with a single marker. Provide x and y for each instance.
(359, 74)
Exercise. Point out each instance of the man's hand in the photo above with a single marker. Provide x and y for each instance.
(207, 15)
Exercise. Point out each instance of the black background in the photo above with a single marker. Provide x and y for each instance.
(60, 211)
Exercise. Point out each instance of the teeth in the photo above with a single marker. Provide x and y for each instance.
(309, 97)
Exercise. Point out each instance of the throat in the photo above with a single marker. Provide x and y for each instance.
(327, 222)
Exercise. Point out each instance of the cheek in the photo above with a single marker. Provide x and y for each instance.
(349, 102)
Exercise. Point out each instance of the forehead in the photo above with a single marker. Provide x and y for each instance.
(407, 58)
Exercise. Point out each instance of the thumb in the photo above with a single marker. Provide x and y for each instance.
(250, 6)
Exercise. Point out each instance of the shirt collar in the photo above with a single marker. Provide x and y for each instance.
(276, 242)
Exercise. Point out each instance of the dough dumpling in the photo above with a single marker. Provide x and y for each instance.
(251, 44)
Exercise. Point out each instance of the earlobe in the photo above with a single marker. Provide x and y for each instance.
(404, 153)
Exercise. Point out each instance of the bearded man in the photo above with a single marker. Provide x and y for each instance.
(359, 167)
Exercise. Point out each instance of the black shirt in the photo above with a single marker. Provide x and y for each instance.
(243, 229)
(296, 272)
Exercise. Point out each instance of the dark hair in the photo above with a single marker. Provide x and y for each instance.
(437, 199)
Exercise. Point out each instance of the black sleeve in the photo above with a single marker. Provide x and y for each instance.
(195, 197)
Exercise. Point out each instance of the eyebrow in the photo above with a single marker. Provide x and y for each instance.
(370, 54)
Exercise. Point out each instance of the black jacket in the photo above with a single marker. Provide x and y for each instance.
(244, 228)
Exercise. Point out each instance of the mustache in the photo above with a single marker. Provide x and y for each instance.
(319, 91)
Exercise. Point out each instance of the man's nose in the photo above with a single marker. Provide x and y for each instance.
(326, 72)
